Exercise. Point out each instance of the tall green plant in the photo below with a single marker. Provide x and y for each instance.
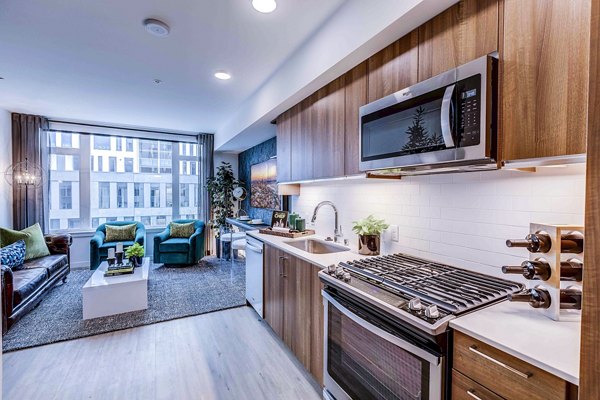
(220, 189)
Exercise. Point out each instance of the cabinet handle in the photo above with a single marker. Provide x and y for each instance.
(525, 375)
(281, 266)
(471, 393)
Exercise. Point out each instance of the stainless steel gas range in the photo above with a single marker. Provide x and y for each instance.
(386, 324)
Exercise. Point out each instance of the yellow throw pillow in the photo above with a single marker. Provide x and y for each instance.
(182, 230)
(35, 244)
(120, 233)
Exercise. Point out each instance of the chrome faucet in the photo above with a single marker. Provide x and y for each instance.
(337, 233)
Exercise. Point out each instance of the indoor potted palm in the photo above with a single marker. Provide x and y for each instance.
(220, 190)
(135, 253)
(369, 235)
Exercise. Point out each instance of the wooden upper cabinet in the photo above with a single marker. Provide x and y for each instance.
(284, 147)
(545, 74)
(327, 130)
(302, 140)
(464, 32)
(356, 96)
(393, 68)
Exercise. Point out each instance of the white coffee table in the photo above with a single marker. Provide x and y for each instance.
(112, 295)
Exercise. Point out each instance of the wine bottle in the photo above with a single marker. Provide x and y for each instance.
(570, 298)
(572, 242)
(570, 270)
(534, 242)
(536, 297)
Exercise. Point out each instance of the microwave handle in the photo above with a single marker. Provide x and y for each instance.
(445, 120)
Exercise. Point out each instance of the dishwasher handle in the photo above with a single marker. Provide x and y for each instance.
(255, 249)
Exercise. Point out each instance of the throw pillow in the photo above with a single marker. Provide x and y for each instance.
(13, 255)
(35, 244)
(184, 230)
(120, 233)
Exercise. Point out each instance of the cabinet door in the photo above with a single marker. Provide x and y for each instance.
(464, 32)
(545, 74)
(284, 147)
(355, 81)
(302, 141)
(274, 289)
(393, 68)
(327, 133)
(298, 312)
(316, 325)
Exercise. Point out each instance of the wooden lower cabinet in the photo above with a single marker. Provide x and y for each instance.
(294, 308)
(482, 371)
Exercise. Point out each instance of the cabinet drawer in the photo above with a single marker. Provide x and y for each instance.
(504, 374)
(464, 388)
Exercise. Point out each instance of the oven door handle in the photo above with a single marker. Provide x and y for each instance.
(411, 348)
(445, 117)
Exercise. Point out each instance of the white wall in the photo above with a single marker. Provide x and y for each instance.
(5, 162)
(231, 158)
(460, 219)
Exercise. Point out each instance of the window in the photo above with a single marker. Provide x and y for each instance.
(128, 164)
(135, 183)
(101, 142)
(55, 224)
(169, 191)
(122, 195)
(196, 194)
(154, 196)
(103, 195)
(184, 195)
(65, 193)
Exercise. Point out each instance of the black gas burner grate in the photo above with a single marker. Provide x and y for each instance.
(453, 289)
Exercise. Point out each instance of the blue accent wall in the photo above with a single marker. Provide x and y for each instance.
(254, 155)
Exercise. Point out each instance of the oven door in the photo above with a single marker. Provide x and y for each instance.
(364, 361)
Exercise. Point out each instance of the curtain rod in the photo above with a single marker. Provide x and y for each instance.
(127, 128)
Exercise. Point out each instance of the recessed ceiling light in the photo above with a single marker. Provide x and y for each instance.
(222, 75)
(156, 27)
(264, 6)
(157, 81)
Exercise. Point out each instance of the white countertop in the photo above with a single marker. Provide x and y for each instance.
(526, 333)
(321, 260)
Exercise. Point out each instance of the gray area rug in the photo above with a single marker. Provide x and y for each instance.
(173, 292)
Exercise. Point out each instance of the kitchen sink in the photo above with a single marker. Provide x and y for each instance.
(316, 246)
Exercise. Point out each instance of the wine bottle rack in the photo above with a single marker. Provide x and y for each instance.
(554, 257)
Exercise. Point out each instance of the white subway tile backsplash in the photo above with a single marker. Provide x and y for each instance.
(459, 219)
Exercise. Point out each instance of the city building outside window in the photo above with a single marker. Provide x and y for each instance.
(138, 195)
(128, 164)
(74, 223)
(95, 222)
(112, 164)
(129, 144)
(119, 144)
(55, 224)
(103, 194)
(121, 195)
(184, 195)
(154, 196)
(101, 142)
(169, 192)
(66, 198)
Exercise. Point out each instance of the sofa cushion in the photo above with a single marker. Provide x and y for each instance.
(185, 230)
(120, 233)
(27, 281)
(13, 255)
(52, 263)
(35, 244)
(175, 245)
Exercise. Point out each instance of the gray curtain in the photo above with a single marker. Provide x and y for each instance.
(206, 147)
(30, 205)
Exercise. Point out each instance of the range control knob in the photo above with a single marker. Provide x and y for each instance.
(432, 311)
(339, 272)
(331, 269)
(415, 304)
(347, 277)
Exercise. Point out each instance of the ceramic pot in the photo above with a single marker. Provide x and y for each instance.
(369, 245)
(136, 261)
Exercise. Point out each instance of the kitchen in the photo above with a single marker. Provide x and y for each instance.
(508, 165)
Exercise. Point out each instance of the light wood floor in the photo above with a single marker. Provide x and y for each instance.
(229, 354)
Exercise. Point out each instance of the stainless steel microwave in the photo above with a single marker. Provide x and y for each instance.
(444, 124)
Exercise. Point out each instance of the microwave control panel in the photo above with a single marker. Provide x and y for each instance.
(469, 111)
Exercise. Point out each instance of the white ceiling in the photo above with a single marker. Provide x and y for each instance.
(93, 60)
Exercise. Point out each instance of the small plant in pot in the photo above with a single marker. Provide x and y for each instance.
(369, 235)
(135, 254)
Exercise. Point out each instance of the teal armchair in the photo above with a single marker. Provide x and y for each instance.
(99, 248)
(180, 251)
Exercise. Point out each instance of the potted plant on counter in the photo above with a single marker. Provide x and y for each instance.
(369, 235)
(135, 253)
